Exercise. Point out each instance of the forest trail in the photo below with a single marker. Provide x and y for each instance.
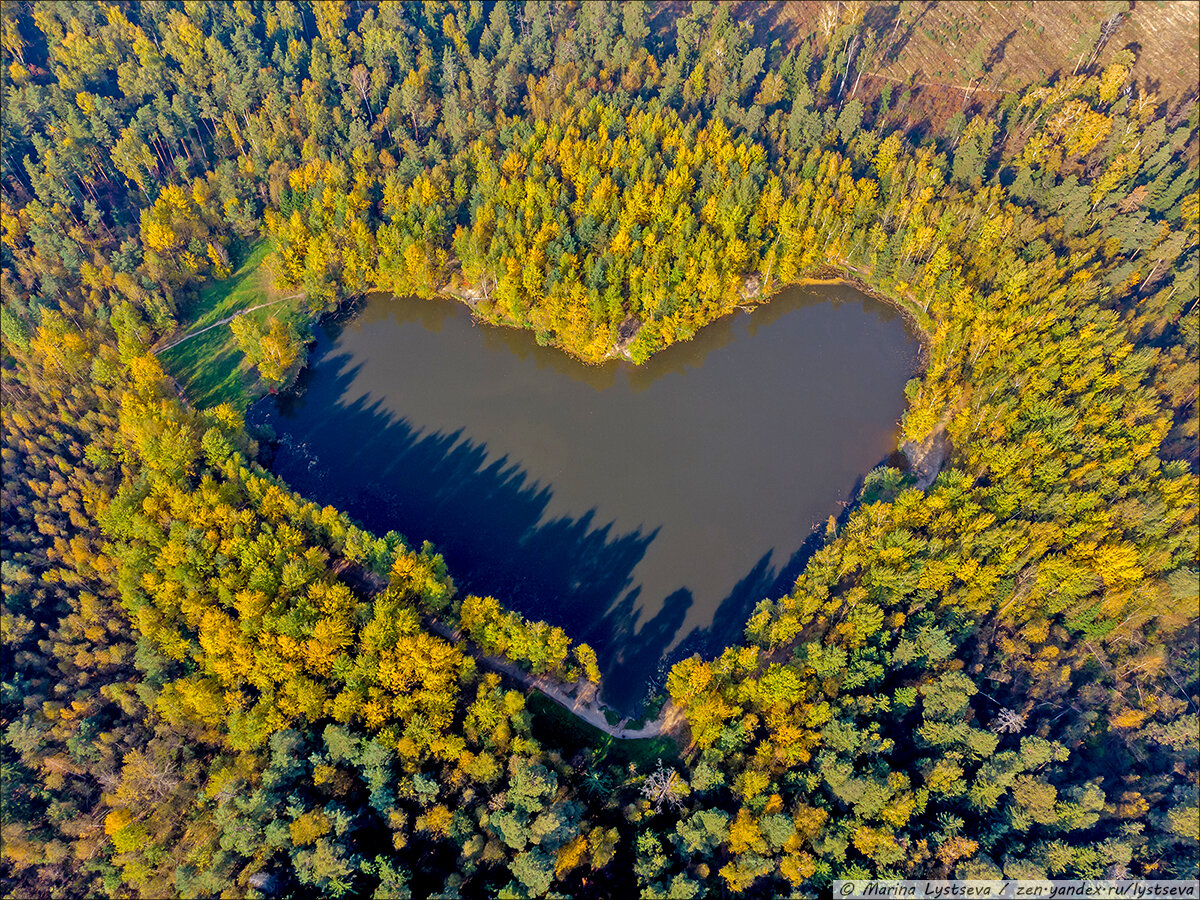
(584, 703)
(224, 321)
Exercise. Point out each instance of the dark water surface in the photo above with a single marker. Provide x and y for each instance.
(645, 510)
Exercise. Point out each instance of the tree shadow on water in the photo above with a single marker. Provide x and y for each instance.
(634, 655)
(764, 580)
(487, 516)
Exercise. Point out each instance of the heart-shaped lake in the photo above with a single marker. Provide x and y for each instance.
(645, 510)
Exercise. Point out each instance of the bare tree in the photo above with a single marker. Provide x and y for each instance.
(663, 786)
(361, 79)
(1009, 722)
(1107, 30)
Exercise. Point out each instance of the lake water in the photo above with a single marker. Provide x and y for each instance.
(646, 510)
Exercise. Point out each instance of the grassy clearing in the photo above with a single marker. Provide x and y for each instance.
(556, 727)
(209, 367)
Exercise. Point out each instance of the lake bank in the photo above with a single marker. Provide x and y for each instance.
(644, 509)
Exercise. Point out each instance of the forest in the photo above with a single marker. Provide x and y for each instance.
(211, 686)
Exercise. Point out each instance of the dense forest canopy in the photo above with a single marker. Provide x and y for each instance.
(211, 686)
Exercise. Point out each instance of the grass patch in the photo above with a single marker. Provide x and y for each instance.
(209, 367)
(248, 286)
(554, 726)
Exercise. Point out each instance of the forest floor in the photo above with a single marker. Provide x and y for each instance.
(556, 726)
(203, 356)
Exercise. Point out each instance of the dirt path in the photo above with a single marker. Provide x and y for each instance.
(580, 699)
(225, 321)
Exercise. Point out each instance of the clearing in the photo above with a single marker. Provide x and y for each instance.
(966, 55)
(1009, 43)
(203, 356)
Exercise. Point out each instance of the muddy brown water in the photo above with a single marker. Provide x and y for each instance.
(646, 510)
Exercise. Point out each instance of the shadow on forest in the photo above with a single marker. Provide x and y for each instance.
(997, 54)
(880, 19)
(898, 46)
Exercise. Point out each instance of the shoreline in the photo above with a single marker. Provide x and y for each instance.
(831, 275)
(591, 709)
(824, 275)
(827, 275)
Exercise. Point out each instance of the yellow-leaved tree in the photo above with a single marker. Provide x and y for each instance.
(274, 346)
